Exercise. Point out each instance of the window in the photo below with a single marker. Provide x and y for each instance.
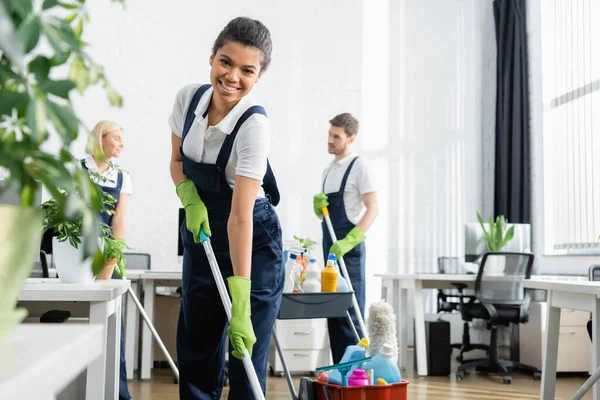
(571, 124)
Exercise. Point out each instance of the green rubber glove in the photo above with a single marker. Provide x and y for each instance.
(196, 215)
(241, 332)
(320, 201)
(355, 237)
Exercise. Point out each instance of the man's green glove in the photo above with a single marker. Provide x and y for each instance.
(241, 332)
(320, 201)
(196, 215)
(352, 239)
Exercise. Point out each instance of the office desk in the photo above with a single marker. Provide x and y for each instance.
(151, 280)
(39, 361)
(582, 296)
(395, 290)
(101, 302)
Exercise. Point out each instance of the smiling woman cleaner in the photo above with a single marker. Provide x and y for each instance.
(220, 143)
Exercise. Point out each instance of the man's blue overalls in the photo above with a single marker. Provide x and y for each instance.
(202, 320)
(106, 218)
(340, 333)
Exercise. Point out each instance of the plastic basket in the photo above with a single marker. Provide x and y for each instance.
(315, 305)
(396, 391)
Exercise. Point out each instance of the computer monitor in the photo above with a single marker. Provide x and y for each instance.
(475, 245)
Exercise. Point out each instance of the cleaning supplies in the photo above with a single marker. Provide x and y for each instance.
(358, 377)
(341, 282)
(289, 277)
(382, 328)
(329, 276)
(383, 367)
(353, 352)
(312, 283)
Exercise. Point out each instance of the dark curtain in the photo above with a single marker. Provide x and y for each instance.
(512, 187)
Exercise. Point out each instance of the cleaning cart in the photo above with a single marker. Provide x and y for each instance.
(310, 306)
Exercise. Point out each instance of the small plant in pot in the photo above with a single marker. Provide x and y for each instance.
(496, 237)
(71, 262)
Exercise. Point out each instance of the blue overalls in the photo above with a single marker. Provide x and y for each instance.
(340, 333)
(202, 320)
(107, 219)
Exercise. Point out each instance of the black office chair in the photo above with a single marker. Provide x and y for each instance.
(593, 275)
(452, 265)
(502, 300)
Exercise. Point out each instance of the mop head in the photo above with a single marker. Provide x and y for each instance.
(382, 328)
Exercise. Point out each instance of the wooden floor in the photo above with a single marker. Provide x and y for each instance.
(473, 387)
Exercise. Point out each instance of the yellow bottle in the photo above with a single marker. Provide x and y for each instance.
(329, 276)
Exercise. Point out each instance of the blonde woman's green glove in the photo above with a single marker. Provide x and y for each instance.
(241, 332)
(196, 214)
(320, 201)
(355, 237)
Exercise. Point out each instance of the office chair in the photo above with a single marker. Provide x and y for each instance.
(502, 300)
(452, 265)
(593, 275)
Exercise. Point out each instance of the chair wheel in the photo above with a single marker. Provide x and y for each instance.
(537, 376)
(460, 375)
(507, 380)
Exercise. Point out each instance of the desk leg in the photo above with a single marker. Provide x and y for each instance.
(149, 289)
(113, 346)
(96, 372)
(550, 350)
(131, 331)
(420, 345)
(595, 346)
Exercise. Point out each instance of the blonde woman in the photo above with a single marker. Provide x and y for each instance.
(107, 136)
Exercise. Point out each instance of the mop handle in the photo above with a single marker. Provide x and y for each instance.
(344, 271)
(246, 360)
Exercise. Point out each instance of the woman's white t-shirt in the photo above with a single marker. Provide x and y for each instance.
(202, 143)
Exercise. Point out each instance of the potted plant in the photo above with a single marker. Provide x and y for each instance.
(495, 237)
(35, 88)
(71, 262)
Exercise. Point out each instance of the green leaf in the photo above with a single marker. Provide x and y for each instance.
(12, 100)
(54, 37)
(114, 97)
(7, 73)
(10, 44)
(79, 28)
(40, 67)
(59, 59)
(510, 233)
(59, 88)
(98, 263)
(71, 17)
(49, 4)
(78, 73)
(64, 120)
(69, 6)
(21, 7)
(29, 32)
(36, 117)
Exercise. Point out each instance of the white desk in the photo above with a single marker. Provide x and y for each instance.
(395, 290)
(101, 301)
(151, 280)
(38, 361)
(582, 296)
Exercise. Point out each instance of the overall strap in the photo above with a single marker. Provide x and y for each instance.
(345, 178)
(227, 147)
(190, 115)
(119, 181)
